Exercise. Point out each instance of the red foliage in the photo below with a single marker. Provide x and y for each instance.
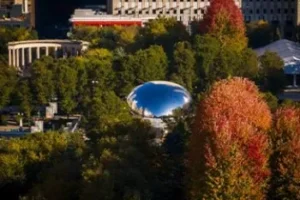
(231, 106)
(231, 124)
(287, 120)
(285, 160)
(223, 16)
(256, 148)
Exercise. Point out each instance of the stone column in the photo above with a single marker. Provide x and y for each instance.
(297, 13)
(14, 57)
(25, 6)
(47, 51)
(30, 55)
(38, 53)
(9, 57)
(17, 58)
(23, 57)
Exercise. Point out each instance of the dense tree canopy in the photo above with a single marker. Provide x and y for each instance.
(108, 37)
(14, 34)
(228, 147)
(215, 63)
(124, 165)
(183, 70)
(115, 157)
(285, 159)
(42, 78)
(23, 161)
(271, 72)
(8, 79)
(224, 21)
(145, 65)
(261, 33)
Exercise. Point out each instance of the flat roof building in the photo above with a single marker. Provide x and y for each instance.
(137, 12)
(183, 10)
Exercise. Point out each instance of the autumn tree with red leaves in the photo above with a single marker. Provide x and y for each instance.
(228, 149)
(285, 158)
(224, 20)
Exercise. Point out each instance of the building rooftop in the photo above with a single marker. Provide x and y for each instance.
(90, 14)
(289, 52)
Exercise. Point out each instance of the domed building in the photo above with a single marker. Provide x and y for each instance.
(156, 100)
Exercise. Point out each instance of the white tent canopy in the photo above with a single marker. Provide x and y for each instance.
(289, 52)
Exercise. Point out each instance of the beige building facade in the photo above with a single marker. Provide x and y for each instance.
(183, 10)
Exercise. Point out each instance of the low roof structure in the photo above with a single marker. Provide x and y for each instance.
(289, 52)
(97, 17)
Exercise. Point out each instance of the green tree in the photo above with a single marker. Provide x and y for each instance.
(261, 33)
(206, 48)
(8, 34)
(271, 74)
(184, 70)
(42, 80)
(124, 165)
(108, 37)
(165, 32)
(215, 63)
(22, 160)
(8, 80)
(24, 97)
(145, 65)
(249, 65)
(271, 100)
(172, 172)
(99, 65)
(127, 37)
(105, 111)
(86, 33)
(61, 179)
(65, 81)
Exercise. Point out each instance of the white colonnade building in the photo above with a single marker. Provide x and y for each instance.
(22, 53)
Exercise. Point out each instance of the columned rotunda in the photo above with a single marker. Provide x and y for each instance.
(22, 53)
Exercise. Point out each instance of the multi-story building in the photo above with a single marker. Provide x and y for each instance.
(26, 4)
(19, 13)
(136, 12)
(6, 3)
(182, 10)
(282, 13)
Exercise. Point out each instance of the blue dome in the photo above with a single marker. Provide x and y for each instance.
(157, 99)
